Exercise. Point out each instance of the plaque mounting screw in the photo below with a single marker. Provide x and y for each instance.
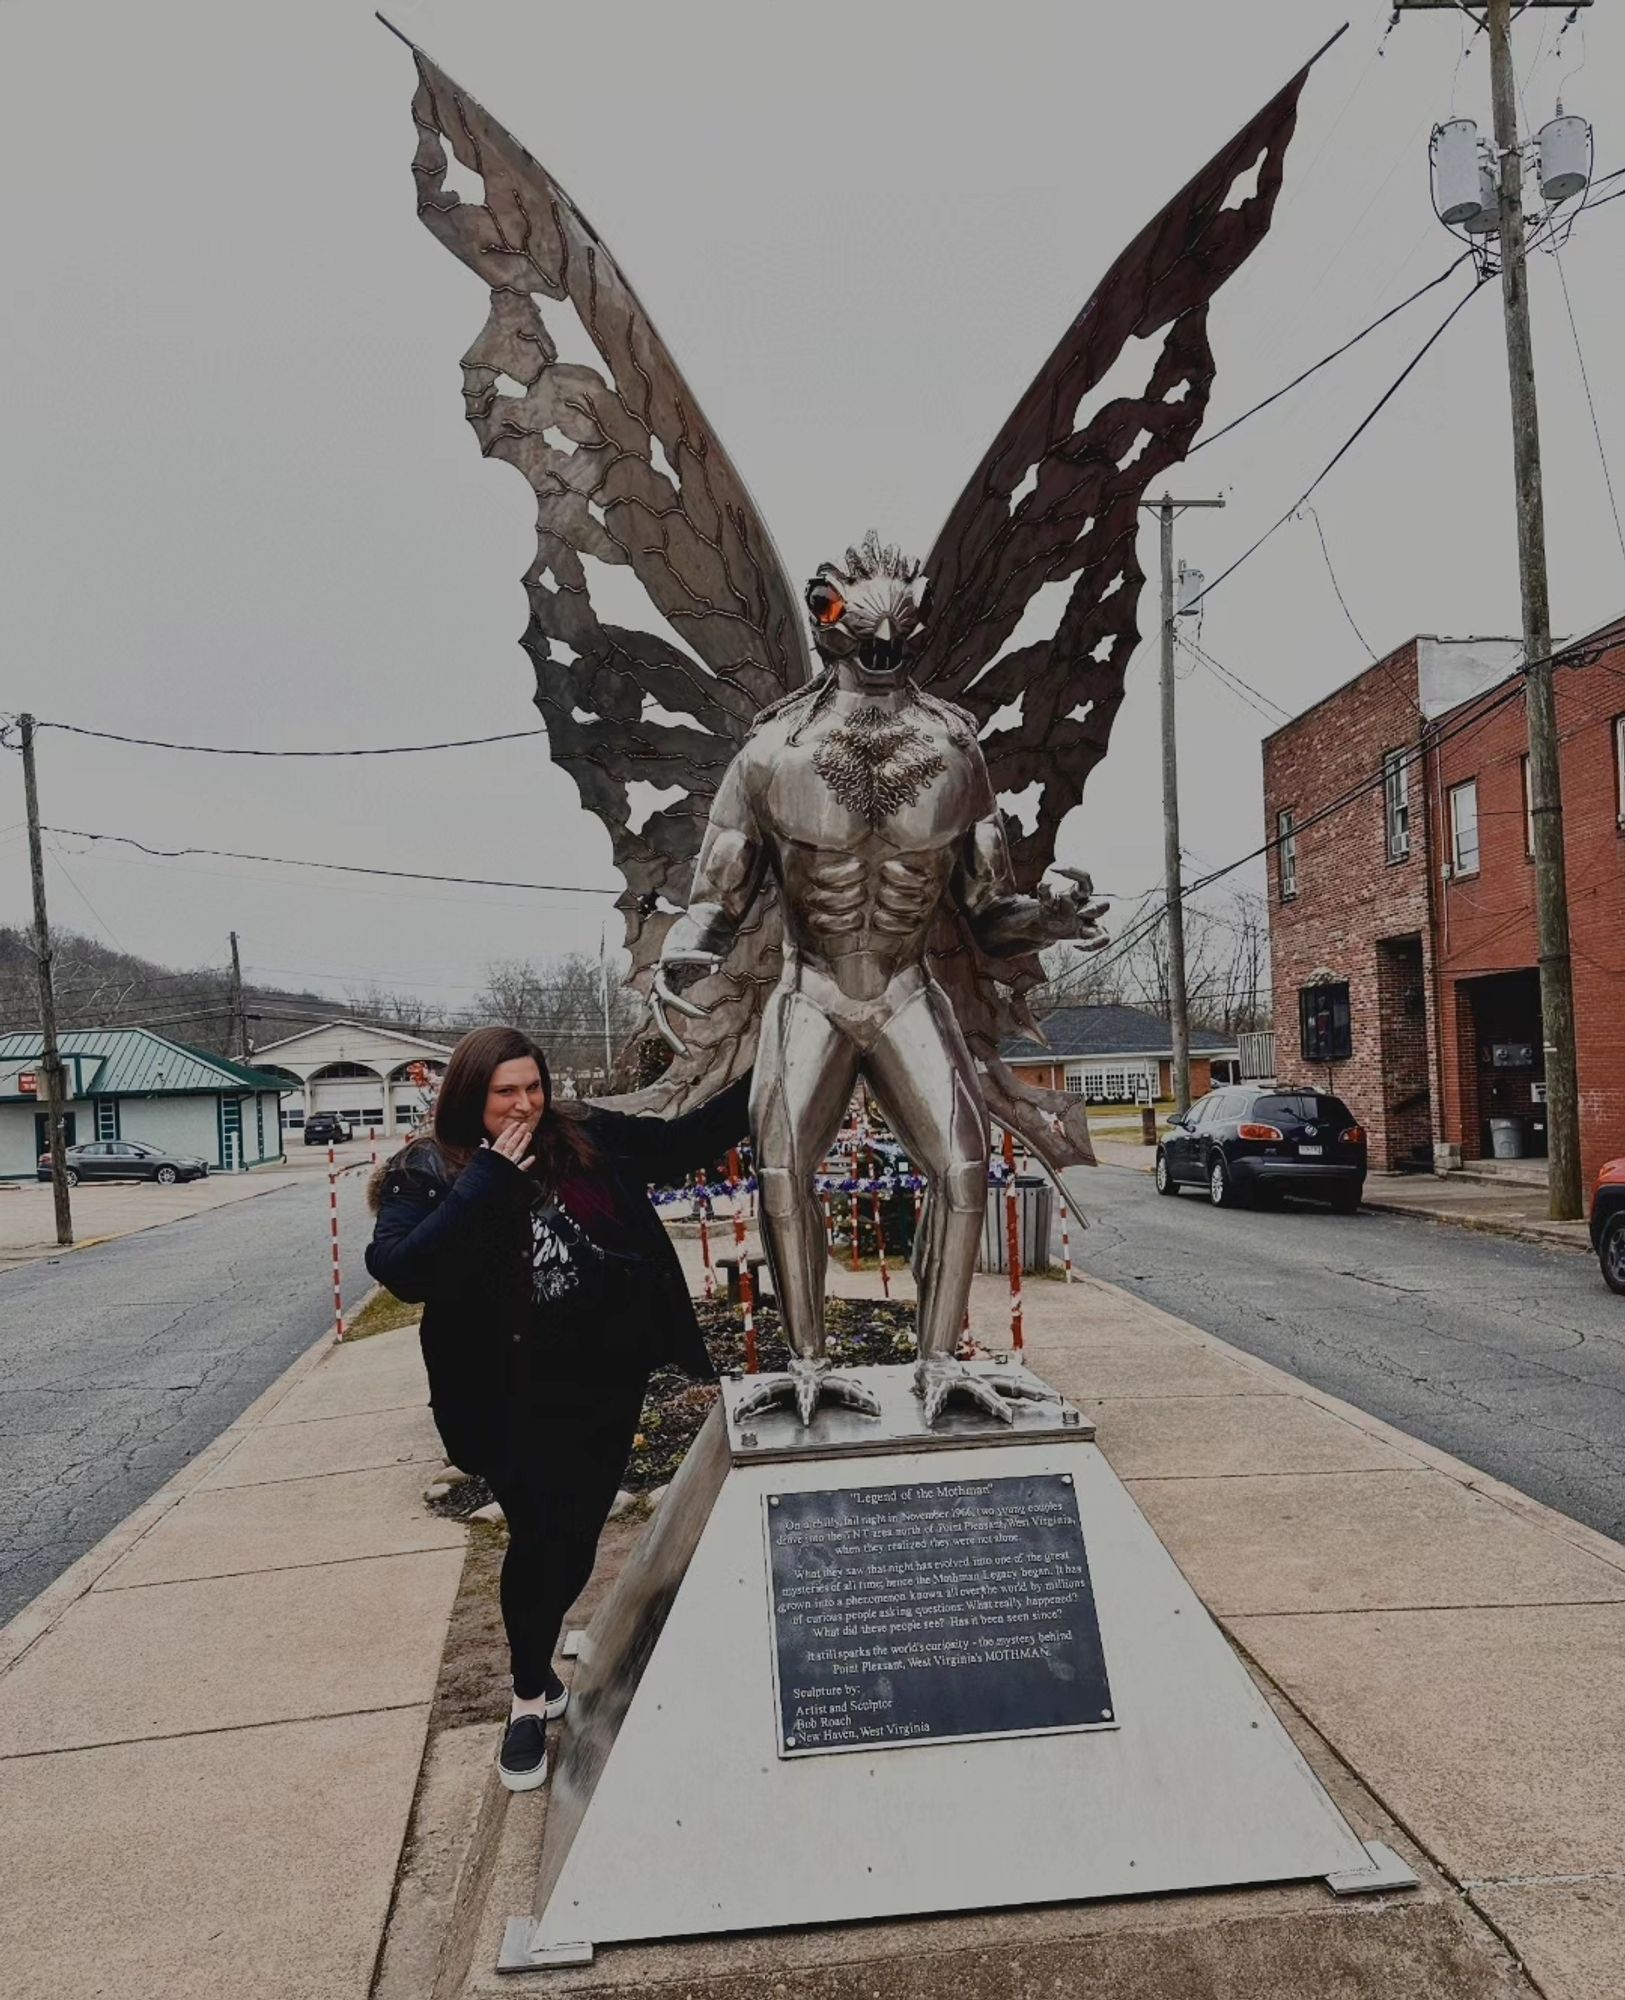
(1069, 1417)
(748, 1440)
(772, 1499)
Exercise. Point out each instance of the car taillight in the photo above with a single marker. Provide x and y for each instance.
(1352, 1135)
(1258, 1132)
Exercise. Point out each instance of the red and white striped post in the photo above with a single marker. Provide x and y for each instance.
(854, 1229)
(1012, 1237)
(880, 1248)
(1066, 1242)
(829, 1224)
(747, 1294)
(705, 1241)
(333, 1224)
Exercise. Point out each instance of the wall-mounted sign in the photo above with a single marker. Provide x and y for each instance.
(1537, 1093)
(27, 1083)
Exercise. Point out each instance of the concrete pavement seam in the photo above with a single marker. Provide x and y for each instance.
(271, 1569)
(217, 1729)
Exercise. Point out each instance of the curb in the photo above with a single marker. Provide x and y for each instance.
(29, 1625)
(1485, 1225)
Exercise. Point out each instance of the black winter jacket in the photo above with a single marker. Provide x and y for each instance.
(461, 1245)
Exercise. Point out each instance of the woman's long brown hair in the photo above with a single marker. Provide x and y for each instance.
(562, 1141)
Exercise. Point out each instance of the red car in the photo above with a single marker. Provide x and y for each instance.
(1608, 1224)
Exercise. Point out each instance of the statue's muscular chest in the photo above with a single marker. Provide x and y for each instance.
(873, 780)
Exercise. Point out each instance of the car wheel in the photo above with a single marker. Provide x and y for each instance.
(1166, 1184)
(1221, 1189)
(166, 1177)
(1346, 1201)
(1611, 1252)
(71, 1176)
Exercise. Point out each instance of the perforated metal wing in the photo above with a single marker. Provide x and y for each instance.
(1056, 497)
(636, 502)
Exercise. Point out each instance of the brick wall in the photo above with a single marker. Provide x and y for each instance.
(1351, 899)
(1486, 922)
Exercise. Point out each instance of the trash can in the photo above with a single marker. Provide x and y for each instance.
(1506, 1138)
(1034, 1204)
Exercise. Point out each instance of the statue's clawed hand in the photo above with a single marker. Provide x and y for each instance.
(1072, 913)
(663, 994)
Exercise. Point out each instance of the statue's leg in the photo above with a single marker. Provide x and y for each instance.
(924, 1076)
(805, 1070)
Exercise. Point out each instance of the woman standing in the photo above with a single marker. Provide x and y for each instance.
(550, 1290)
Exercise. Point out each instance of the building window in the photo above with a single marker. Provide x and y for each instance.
(1619, 767)
(1286, 850)
(1528, 807)
(1464, 827)
(1323, 1015)
(1074, 1083)
(1397, 804)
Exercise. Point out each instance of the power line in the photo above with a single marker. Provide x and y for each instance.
(1320, 533)
(339, 867)
(232, 750)
(1325, 360)
(1348, 443)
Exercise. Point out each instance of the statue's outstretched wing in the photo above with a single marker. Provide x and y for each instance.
(1056, 501)
(637, 504)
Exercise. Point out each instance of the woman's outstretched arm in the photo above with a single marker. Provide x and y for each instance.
(664, 1148)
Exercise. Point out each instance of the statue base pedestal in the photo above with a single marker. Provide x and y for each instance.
(843, 1656)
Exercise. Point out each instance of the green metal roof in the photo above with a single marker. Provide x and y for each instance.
(135, 1062)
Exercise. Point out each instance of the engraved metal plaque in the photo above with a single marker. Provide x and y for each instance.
(930, 1612)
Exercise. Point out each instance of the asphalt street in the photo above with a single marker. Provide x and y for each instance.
(1509, 1356)
(120, 1361)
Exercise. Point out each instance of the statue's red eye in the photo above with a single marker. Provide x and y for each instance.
(825, 602)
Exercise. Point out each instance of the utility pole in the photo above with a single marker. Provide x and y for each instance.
(1178, 1007)
(50, 1056)
(1540, 697)
(239, 1018)
(603, 994)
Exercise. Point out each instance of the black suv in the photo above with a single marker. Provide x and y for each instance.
(326, 1128)
(1247, 1141)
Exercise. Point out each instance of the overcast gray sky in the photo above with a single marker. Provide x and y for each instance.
(240, 502)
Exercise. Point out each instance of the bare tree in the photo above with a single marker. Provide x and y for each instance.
(561, 1002)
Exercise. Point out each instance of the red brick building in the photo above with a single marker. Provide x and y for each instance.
(1402, 913)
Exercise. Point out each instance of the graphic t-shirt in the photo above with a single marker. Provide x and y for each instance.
(565, 1263)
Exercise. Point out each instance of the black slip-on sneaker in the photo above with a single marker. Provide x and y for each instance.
(558, 1697)
(522, 1760)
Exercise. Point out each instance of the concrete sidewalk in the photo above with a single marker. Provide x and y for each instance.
(104, 1210)
(211, 1727)
(1505, 1208)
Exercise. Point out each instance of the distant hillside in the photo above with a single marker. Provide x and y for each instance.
(98, 987)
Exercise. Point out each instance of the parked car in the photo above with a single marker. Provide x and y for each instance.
(1245, 1142)
(1608, 1224)
(125, 1160)
(326, 1128)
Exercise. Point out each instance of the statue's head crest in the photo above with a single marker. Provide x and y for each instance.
(869, 610)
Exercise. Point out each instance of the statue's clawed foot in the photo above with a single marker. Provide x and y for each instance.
(807, 1384)
(937, 1377)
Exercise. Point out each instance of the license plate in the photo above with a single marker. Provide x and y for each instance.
(1310, 1152)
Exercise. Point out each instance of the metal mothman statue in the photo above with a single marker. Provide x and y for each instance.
(870, 776)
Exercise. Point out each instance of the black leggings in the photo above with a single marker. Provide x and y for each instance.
(565, 1465)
